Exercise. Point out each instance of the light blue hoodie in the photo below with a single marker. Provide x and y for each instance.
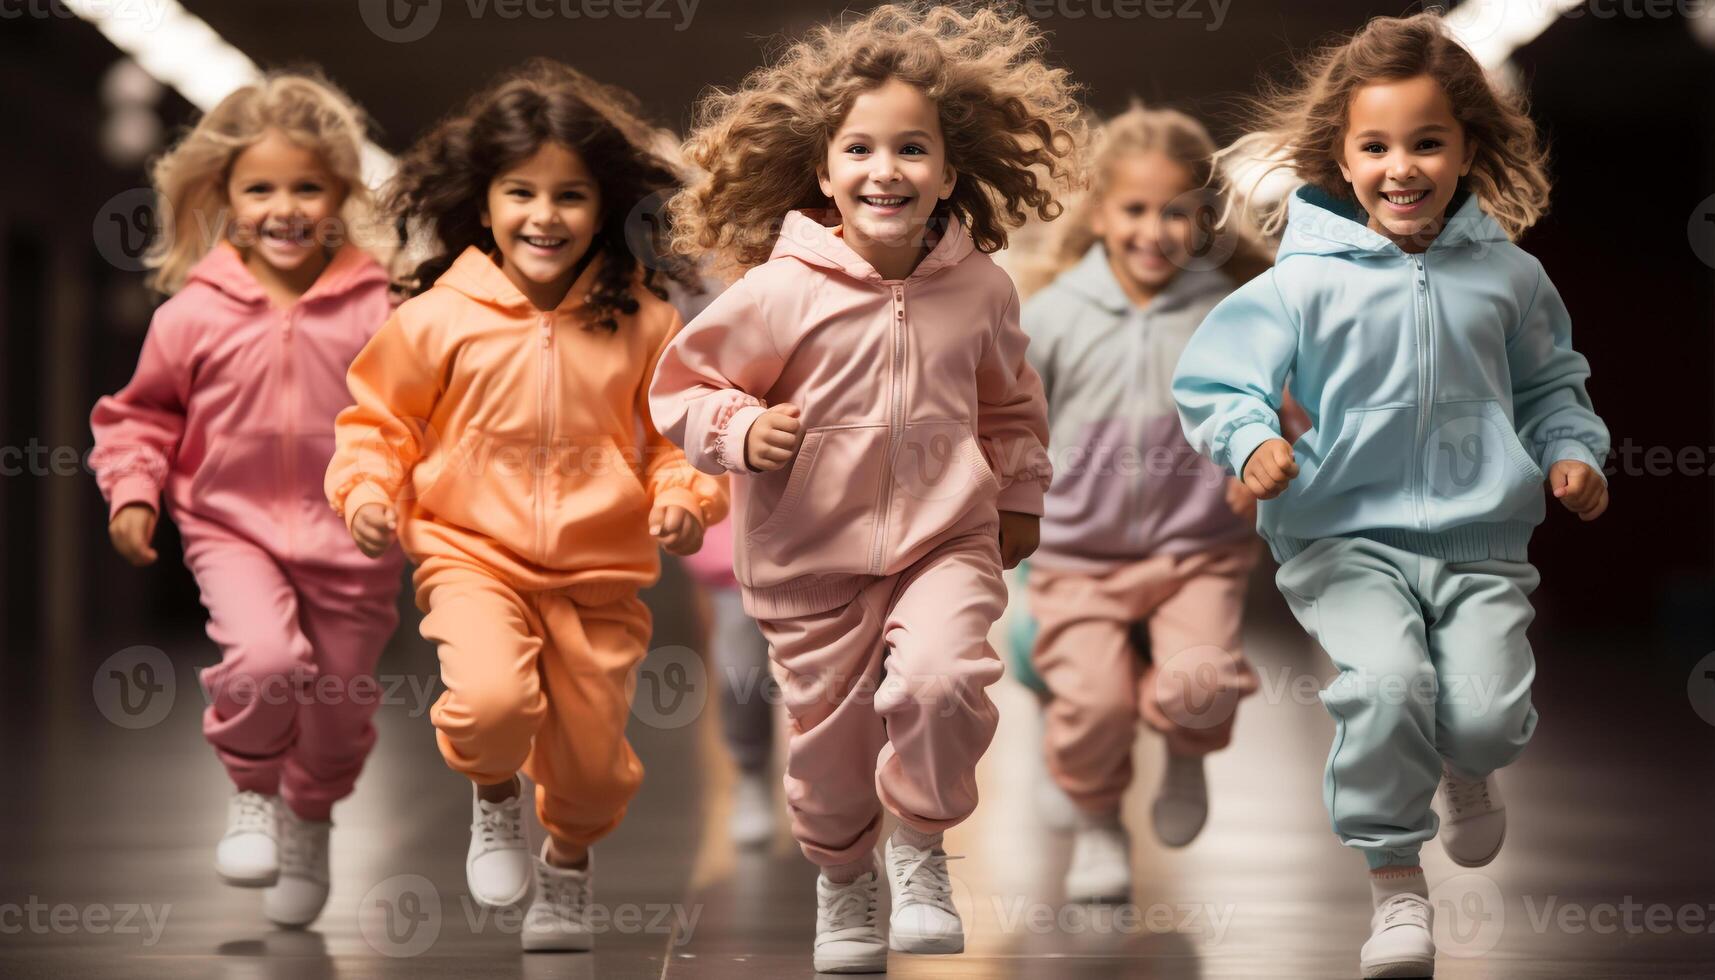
(1441, 386)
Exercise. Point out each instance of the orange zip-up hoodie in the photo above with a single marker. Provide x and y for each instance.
(513, 438)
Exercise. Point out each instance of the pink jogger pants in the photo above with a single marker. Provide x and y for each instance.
(887, 702)
(290, 703)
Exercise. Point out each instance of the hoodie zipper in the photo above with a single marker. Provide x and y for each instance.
(288, 435)
(895, 425)
(545, 428)
(1425, 371)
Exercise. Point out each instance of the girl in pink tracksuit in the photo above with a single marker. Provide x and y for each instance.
(230, 417)
(866, 384)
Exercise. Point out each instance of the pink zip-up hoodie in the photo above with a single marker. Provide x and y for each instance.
(231, 409)
(922, 417)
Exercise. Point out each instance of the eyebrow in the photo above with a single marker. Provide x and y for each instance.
(1431, 128)
(908, 134)
(570, 183)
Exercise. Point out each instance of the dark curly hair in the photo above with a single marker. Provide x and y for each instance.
(442, 182)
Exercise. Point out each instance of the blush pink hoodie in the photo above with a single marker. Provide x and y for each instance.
(231, 410)
(922, 418)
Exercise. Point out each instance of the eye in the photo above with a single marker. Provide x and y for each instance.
(258, 188)
(308, 187)
(857, 148)
(912, 148)
(1429, 144)
(520, 194)
(1372, 147)
(572, 195)
(1134, 210)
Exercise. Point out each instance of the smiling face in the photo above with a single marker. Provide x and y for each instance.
(1404, 153)
(544, 213)
(285, 206)
(1144, 220)
(886, 170)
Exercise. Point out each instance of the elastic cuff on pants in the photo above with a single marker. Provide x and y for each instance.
(1391, 857)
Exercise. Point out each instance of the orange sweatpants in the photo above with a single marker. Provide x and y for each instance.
(539, 682)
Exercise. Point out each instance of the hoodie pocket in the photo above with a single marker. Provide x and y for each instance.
(825, 503)
(1474, 466)
(1372, 450)
(939, 477)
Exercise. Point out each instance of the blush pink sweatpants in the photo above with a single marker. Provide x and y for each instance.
(291, 701)
(887, 700)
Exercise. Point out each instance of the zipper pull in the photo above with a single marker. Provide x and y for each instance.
(547, 330)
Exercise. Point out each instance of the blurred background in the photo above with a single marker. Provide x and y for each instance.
(1624, 90)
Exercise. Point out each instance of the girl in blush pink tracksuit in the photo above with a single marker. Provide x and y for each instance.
(229, 416)
(866, 384)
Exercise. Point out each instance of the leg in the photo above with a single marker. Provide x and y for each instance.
(348, 620)
(1084, 656)
(1483, 717)
(254, 692)
(933, 697)
(1198, 674)
(585, 770)
(1356, 598)
(830, 664)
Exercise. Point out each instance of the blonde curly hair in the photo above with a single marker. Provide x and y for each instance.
(190, 179)
(1300, 127)
(1012, 126)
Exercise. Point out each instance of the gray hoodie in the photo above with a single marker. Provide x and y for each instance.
(1126, 483)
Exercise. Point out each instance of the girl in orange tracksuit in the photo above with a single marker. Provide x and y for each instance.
(496, 432)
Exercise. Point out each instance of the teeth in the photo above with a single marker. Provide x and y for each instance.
(1404, 197)
(544, 242)
(885, 202)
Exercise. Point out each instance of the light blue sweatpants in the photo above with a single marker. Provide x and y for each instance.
(1433, 664)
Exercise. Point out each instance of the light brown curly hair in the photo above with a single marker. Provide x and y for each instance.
(1012, 126)
(1302, 126)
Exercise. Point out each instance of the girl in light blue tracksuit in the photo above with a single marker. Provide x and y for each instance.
(1436, 362)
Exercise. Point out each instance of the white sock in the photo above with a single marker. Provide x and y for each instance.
(906, 834)
(1088, 820)
(1387, 882)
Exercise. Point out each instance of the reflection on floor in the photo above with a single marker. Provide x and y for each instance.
(1609, 870)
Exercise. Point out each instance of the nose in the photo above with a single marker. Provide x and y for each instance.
(1401, 167)
(884, 169)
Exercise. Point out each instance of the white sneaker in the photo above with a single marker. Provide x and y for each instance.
(1182, 803)
(848, 935)
(1100, 869)
(559, 916)
(923, 919)
(1055, 808)
(302, 889)
(498, 866)
(1473, 818)
(249, 854)
(1401, 943)
(752, 822)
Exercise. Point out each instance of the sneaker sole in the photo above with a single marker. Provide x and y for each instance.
(1400, 968)
(1479, 862)
(934, 946)
(851, 964)
(249, 881)
(558, 944)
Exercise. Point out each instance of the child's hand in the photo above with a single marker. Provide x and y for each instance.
(1579, 487)
(773, 438)
(131, 530)
(1019, 534)
(1240, 500)
(374, 528)
(678, 529)
(1270, 469)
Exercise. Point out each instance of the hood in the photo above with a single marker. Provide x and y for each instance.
(223, 269)
(475, 275)
(805, 236)
(1319, 224)
(1093, 279)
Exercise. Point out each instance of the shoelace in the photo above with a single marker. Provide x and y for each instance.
(303, 850)
(568, 894)
(251, 813)
(500, 824)
(924, 879)
(852, 906)
(1467, 795)
(1406, 910)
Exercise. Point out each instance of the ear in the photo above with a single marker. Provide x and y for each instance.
(487, 222)
(1098, 220)
(1340, 160)
(1470, 158)
(949, 180)
(822, 180)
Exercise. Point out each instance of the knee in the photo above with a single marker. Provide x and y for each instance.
(1480, 738)
(945, 690)
(1199, 688)
(263, 669)
(492, 710)
(1399, 685)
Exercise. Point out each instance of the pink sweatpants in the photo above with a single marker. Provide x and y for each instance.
(290, 703)
(887, 702)
(1099, 686)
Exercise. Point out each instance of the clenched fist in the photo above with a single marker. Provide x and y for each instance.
(773, 438)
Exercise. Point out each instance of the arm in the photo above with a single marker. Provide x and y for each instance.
(380, 438)
(1012, 417)
(704, 396)
(137, 430)
(1551, 409)
(668, 475)
(1230, 376)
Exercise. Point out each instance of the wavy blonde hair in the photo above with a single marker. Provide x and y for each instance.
(190, 179)
(1301, 126)
(1182, 140)
(1012, 126)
